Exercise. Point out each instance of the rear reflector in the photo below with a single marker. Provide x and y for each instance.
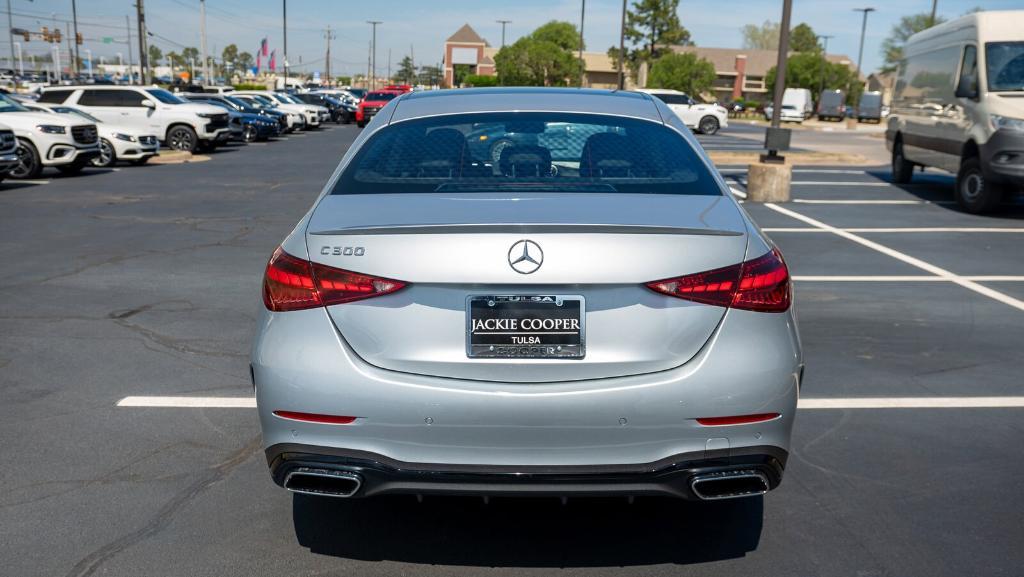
(292, 284)
(761, 284)
(737, 420)
(314, 418)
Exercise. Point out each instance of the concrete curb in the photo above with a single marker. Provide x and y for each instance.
(177, 157)
(792, 158)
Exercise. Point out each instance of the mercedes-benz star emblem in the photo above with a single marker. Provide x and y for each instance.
(525, 256)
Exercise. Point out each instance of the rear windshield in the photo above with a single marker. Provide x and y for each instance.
(381, 96)
(527, 152)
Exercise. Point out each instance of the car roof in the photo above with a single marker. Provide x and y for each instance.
(519, 99)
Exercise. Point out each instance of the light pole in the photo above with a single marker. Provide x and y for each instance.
(89, 54)
(373, 54)
(284, 28)
(824, 63)
(74, 18)
(21, 63)
(503, 23)
(622, 49)
(583, 67)
(863, 29)
(931, 21)
(10, 31)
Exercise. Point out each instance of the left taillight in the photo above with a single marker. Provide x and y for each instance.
(761, 284)
(292, 284)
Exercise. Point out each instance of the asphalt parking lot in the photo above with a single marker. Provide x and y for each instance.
(145, 283)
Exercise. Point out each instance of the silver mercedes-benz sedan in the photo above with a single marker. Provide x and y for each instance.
(527, 292)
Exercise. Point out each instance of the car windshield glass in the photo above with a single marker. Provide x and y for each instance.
(1005, 66)
(291, 99)
(7, 104)
(265, 100)
(77, 112)
(380, 96)
(357, 92)
(164, 96)
(239, 102)
(527, 152)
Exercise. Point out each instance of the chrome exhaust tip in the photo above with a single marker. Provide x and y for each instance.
(323, 482)
(729, 485)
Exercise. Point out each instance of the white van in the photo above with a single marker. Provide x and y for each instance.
(801, 101)
(181, 124)
(958, 105)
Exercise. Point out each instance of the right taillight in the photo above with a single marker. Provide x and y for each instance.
(761, 284)
(292, 284)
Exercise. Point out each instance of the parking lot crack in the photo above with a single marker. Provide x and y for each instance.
(89, 564)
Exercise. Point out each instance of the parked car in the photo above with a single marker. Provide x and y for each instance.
(117, 142)
(832, 105)
(869, 108)
(520, 363)
(246, 126)
(958, 105)
(703, 118)
(311, 114)
(294, 120)
(339, 111)
(371, 105)
(44, 140)
(218, 89)
(182, 125)
(9, 159)
(240, 105)
(789, 113)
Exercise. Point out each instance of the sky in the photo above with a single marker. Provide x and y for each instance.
(420, 27)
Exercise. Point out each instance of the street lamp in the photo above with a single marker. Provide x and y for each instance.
(863, 28)
(373, 55)
(824, 62)
(503, 23)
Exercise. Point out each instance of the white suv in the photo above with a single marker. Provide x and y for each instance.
(46, 139)
(704, 118)
(181, 124)
(311, 113)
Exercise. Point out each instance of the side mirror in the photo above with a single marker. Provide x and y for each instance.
(148, 103)
(967, 89)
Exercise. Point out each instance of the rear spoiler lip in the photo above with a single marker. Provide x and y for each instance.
(533, 228)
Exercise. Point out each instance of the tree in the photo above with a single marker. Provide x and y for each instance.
(406, 71)
(191, 53)
(155, 55)
(175, 59)
(763, 37)
(684, 71)
(803, 39)
(480, 81)
(892, 47)
(344, 80)
(651, 27)
(547, 57)
(230, 55)
(804, 70)
(244, 61)
(429, 75)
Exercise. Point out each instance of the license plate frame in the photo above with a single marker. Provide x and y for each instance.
(498, 342)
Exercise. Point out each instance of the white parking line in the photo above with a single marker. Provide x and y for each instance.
(190, 402)
(804, 403)
(914, 403)
(827, 183)
(903, 230)
(906, 278)
(738, 192)
(31, 181)
(916, 262)
(862, 201)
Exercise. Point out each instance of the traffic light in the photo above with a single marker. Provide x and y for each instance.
(78, 38)
(46, 34)
(56, 35)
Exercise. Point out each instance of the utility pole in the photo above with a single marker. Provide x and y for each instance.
(284, 26)
(389, 66)
(369, 55)
(373, 54)
(931, 21)
(21, 62)
(10, 31)
(329, 35)
(74, 18)
(143, 52)
(824, 64)
(622, 49)
(583, 67)
(128, 27)
(503, 23)
(863, 29)
(71, 52)
(202, 39)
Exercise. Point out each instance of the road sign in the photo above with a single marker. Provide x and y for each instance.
(107, 40)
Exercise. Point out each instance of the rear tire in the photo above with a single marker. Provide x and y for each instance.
(31, 166)
(708, 125)
(902, 169)
(975, 193)
(360, 124)
(182, 138)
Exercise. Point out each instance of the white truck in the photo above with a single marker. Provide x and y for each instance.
(958, 105)
(181, 124)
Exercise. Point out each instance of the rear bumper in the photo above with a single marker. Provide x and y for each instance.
(670, 477)
(301, 363)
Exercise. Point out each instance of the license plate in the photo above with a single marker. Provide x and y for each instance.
(525, 326)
